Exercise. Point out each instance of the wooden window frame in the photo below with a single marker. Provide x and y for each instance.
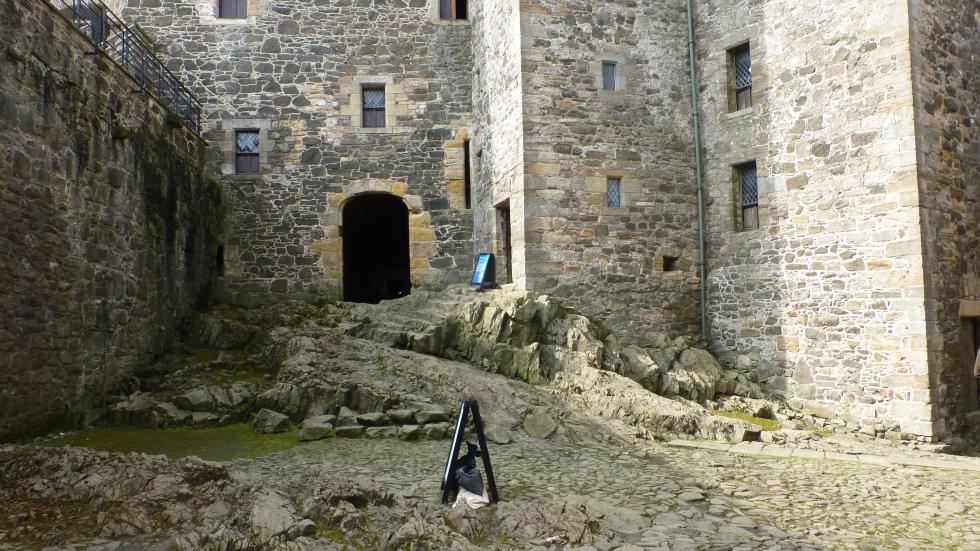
(453, 10)
(748, 210)
(373, 117)
(240, 9)
(609, 85)
(741, 92)
(247, 163)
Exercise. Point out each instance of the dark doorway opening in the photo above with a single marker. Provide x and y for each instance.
(970, 336)
(505, 272)
(376, 260)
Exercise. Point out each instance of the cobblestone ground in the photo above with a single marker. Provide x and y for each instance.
(694, 499)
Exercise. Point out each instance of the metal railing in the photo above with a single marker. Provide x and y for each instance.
(130, 50)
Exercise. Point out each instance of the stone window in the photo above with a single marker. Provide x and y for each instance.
(373, 106)
(247, 152)
(748, 191)
(740, 62)
(452, 9)
(614, 197)
(671, 263)
(232, 9)
(608, 75)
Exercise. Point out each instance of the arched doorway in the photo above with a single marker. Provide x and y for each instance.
(375, 240)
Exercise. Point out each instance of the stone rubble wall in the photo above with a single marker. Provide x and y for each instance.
(567, 241)
(945, 53)
(294, 70)
(824, 302)
(109, 224)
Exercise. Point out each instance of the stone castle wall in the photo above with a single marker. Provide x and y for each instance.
(825, 301)
(567, 241)
(945, 53)
(109, 224)
(294, 70)
(498, 134)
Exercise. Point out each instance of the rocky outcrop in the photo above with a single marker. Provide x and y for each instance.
(659, 387)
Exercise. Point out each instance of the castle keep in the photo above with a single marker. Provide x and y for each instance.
(366, 148)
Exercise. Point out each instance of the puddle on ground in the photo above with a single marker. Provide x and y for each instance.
(214, 444)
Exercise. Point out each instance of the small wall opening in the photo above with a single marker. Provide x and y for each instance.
(219, 261)
(375, 243)
(505, 271)
(671, 263)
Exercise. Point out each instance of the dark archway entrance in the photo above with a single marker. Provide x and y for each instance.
(376, 261)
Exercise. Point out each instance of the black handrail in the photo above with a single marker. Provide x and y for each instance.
(128, 48)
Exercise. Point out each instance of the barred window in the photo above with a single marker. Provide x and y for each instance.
(608, 75)
(247, 151)
(741, 63)
(373, 98)
(748, 185)
(613, 196)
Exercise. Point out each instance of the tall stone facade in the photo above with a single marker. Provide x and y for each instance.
(856, 294)
(109, 224)
(294, 72)
(848, 296)
(946, 86)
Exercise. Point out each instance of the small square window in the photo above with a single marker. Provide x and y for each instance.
(608, 75)
(741, 66)
(452, 9)
(671, 263)
(373, 99)
(247, 151)
(613, 196)
(232, 9)
(748, 186)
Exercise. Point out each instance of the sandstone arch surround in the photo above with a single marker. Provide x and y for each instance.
(421, 236)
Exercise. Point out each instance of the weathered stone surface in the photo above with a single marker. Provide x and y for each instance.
(107, 242)
(427, 417)
(349, 431)
(539, 425)
(268, 421)
(315, 431)
(374, 419)
(401, 416)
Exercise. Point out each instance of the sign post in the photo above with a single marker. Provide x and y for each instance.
(449, 483)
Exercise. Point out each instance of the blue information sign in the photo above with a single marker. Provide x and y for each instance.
(483, 276)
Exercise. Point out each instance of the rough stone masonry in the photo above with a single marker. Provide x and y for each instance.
(852, 295)
(108, 230)
(857, 294)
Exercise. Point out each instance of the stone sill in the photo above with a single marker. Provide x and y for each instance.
(227, 21)
(747, 112)
(245, 178)
(385, 130)
(451, 22)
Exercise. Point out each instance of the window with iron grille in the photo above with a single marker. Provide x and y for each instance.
(608, 75)
(247, 151)
(373, 99)
(613, 196)
(232, 9)
(748, 185)
(741, 63)
(452, 9)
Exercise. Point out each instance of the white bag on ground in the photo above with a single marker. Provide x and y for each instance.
(471, 500)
